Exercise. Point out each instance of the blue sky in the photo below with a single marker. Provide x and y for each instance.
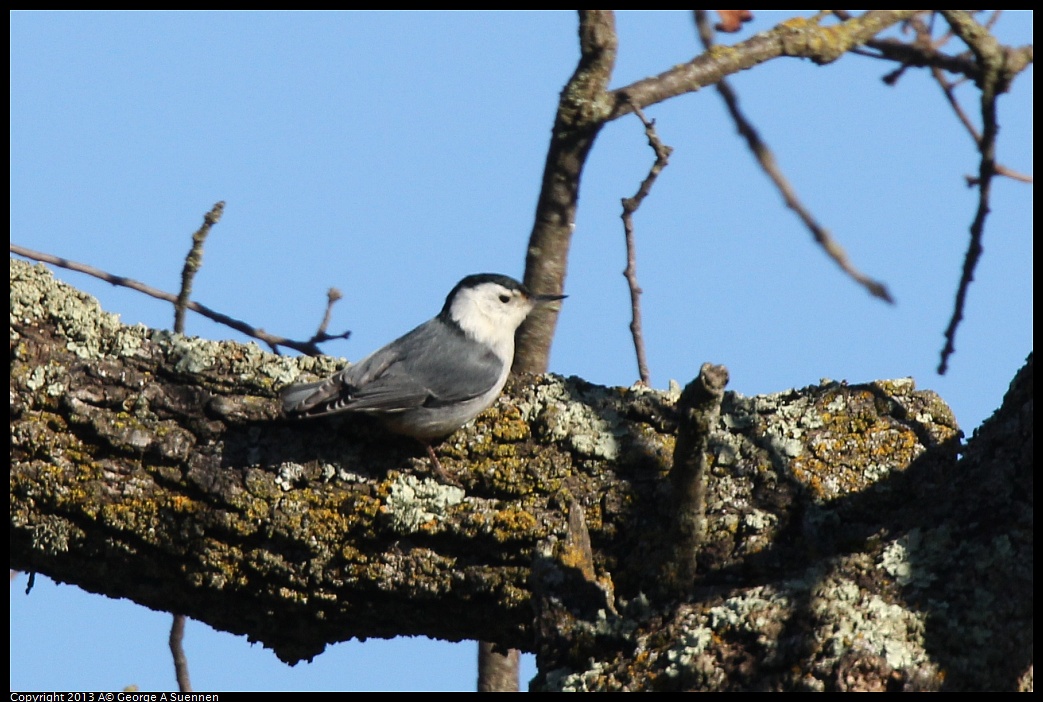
(390, 154)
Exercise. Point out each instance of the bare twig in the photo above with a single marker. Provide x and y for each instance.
(1001, 170)
(767, 161)
(309, 347)
(924, 38)
(911, 55)
(332, 295)
(924, 51)
(193, 261)
(177, 636)
(950, 95)
(630, 205)
(989, 56)
(993, 20)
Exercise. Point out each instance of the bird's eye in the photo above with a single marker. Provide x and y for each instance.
(505, 299)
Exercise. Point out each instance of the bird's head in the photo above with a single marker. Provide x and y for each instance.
(489, 308)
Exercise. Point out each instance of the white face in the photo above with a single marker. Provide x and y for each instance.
(491, 313)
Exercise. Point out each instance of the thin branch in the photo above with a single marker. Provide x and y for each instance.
(924, 38)
(630, 205)
(950, 95)
(309, 347)
(1001, 170)
(177, 636)
(923, 52)
(767, 161)
(911, 55)
(990, 57)
(193, 261)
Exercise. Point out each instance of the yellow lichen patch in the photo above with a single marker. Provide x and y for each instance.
(510, 426)
(504, 472)
(795, 23)
(361, 508)
(508, 523)
(182, 504)
(501, 451)
(131, 515)
(315, 512)
(722, 52)
(855, 441)
(572, 556)
(351, 554)
(807, 471)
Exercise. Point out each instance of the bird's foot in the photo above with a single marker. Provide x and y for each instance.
(441, 472)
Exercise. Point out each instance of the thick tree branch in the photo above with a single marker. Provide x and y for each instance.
(839, 529)
(580, 116)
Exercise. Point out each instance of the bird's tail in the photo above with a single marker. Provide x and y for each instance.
(303, 398)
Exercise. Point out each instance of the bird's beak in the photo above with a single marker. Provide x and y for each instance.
(544, 299)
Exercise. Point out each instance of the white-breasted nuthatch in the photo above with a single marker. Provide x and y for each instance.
(432, 381)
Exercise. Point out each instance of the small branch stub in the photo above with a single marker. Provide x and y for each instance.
(193, 261)
(698, 410)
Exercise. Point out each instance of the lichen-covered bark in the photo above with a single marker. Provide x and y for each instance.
(907, 573)
(844, 546)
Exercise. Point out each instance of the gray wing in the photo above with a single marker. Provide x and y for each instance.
(433, 365)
